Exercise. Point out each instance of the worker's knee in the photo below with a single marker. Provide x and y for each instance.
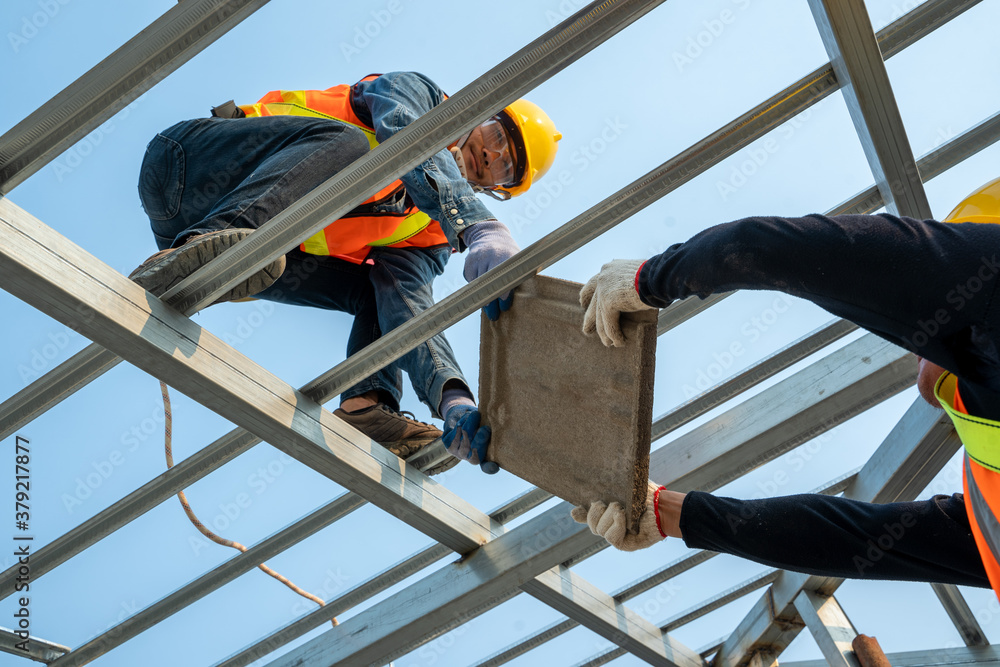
(351, 141)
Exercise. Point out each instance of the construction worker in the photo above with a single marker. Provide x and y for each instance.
(207, 183)
(928, 286)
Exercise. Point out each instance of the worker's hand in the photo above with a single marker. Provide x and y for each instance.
(460, 161)
(608, 521)
(607, 295)
(928, 373)
(490, 243)
(466, 439)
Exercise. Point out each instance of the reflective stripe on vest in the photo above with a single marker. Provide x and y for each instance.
(981, 437)
(980, 484)
(980, 509)
(980, 479)
(352, 236)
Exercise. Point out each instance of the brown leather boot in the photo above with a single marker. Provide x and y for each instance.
(168, 267)
(399, 432)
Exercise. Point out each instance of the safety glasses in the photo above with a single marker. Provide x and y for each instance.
(502, 167)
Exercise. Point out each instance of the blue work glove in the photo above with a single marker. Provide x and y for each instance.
(490, 243)
(466, 439)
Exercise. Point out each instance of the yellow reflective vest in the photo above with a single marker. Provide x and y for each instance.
(352, 236)
(980, 475)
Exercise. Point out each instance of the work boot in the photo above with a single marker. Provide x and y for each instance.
(168, 267)
(399, 432)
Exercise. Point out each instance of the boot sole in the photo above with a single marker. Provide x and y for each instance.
(409, 448)
(163, 274)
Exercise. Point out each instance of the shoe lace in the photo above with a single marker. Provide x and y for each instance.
(406, 413)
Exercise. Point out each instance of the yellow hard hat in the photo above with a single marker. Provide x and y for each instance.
(535, 137)
(983, 205)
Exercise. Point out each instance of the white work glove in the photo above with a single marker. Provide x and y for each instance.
(490, 244)
(609, 294)
(608, 521)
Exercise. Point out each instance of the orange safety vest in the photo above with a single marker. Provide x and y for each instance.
(352, 236)
(980, 475)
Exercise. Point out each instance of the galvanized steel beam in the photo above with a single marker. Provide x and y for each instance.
(108, 87)
(651, 581)
(271, 547)
(934, 163)
(132, 506)
(764, 369)
(567, 592)
(960, 614)
(829, 392)
(914, 451)
(699, 610)
(720, 600)
(238, 441)
(978, 656)
(535, 63)
(37, 649)
(830, 627)
(857, 61)
(49, 272)
(766, 429)
(50, 389)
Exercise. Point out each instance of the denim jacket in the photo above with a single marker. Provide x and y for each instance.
(392, 102)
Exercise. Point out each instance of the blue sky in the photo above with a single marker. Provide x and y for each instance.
(682, 72)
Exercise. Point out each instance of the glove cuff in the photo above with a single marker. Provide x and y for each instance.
(656, 509)
(637, 272)
(480, 230)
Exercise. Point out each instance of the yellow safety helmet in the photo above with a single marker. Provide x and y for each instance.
(983, 205)
(535, 137)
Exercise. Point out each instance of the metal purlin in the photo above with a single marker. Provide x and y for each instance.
(919, 21)
(91, 362)
(65, 379)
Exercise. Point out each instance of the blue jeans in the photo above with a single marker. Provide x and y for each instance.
(208, 174)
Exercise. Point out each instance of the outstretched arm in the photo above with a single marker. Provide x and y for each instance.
(924, 285)
(927, 541)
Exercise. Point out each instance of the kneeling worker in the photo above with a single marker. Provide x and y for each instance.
(208, 183)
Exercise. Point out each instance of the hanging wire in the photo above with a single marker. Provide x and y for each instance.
(167, 445)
